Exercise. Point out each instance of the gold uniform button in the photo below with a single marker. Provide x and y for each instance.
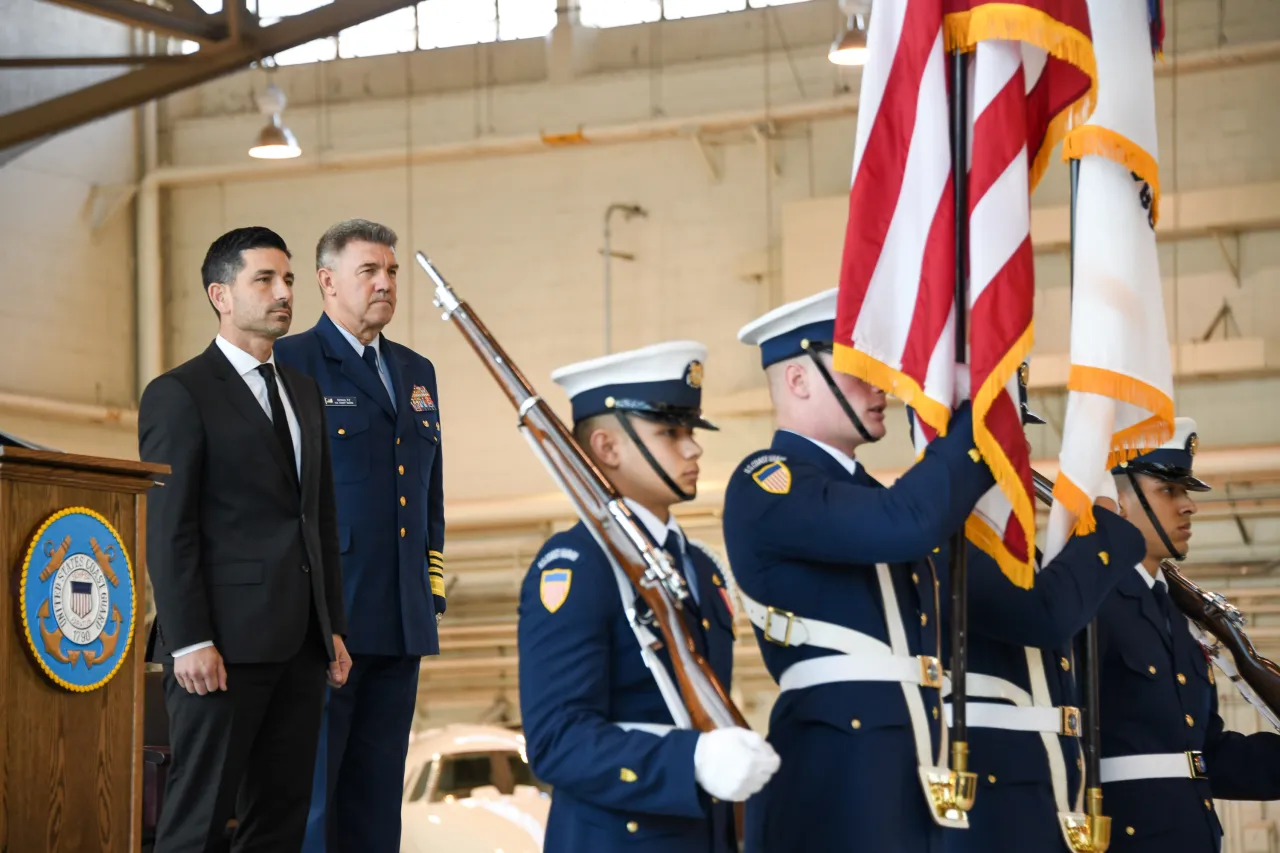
(991, 777)
(857, 724)
(397, 441)
(706, 624)
(1151, 669)
(1182, 679)
(1128, 830)
(1104, 557)
(935, 712)
(632, 826)
(1190, 721)
(402, 501)
(715, 800)
(401, 532)
(924, 619)
(1208, 804)
(627, 774)
(401, 470)
(1065, 664)
(915, 578)
(341, 431)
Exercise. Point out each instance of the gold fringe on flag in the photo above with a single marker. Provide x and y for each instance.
(1092, 140)
(1015, 22)
(1128, 442)
(1020, 571)
(1077, 502)
(846, 359)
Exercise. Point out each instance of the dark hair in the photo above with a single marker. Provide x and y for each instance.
(225, 258)
(333, 241)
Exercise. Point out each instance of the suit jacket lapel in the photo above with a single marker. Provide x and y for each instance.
(1133, 587)
(247, 405)
(395, 365)
(353, 366)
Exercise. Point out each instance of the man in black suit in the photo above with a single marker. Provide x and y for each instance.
(242, 549)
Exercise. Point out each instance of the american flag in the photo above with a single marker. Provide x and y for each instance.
(81, 598)
(1031, 77)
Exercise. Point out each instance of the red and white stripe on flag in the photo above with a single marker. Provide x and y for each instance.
(1031, 77)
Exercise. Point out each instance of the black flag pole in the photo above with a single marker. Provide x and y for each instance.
(965, 782)
(1087, 667)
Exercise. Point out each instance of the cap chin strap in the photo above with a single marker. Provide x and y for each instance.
(835, 389)
(1146, 507)
(653, 463)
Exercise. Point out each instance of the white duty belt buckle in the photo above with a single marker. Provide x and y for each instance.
(789, 619)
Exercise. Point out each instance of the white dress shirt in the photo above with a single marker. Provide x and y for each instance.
(659, 531)
(846, 461)
(247, 366)
(383, 372)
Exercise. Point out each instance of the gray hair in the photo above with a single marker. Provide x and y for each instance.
(351, 231)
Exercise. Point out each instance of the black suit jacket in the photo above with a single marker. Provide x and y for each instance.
(236, 552)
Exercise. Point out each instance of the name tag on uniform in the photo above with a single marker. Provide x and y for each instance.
(339, 401)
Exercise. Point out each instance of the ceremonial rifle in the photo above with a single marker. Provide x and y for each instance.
(706, 703)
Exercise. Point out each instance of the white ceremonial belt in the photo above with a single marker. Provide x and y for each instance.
(832, 669)
(784, 628)
(658, 729)
(988, 715)
(1174, 765)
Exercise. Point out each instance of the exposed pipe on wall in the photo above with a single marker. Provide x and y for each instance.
(629, 211)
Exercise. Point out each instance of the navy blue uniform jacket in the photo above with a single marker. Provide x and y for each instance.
(581, 673)
(806, 537)
(1015, 809)
(389, 481)
(1158, 696)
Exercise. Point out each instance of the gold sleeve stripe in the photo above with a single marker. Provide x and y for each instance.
(437, 586)
(439, 554)
(439, 573)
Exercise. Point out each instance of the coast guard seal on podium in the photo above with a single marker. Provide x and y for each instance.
(78, 602)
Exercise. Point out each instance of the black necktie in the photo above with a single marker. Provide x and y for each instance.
(370, 357)
(673, 546)
(1161, 592)
(279, 422)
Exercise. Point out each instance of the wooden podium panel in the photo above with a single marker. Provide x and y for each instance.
(70, 762)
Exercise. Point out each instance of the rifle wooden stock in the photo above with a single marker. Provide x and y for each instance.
(602, 510)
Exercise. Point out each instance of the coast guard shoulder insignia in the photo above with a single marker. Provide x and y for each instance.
(774, 478)
(78, 602)
(553, 588)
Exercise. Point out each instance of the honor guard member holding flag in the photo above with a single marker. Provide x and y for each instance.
(595, 716)
(1165, 751)
(1023, 710)
(384, 430)
(835, 575)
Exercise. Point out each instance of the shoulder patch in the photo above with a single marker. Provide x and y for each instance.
(557, 554)
(553, 588)
(757, 461)
(774, 477)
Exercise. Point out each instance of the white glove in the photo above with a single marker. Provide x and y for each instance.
(732, 764)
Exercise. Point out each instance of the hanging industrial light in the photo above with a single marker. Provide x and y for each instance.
(275, 141)
(851, 47)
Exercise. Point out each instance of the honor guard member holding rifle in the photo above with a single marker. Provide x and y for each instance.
(597, 724)
(384, 430)
(1165, 751)
(835, 574)
(1023, 710)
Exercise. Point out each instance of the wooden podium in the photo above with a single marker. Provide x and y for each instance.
(70, 762)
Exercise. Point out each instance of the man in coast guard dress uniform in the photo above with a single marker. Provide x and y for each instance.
(596, 723)
(835, 575)
(383, 418)
(1023, 708)
(1165, 751)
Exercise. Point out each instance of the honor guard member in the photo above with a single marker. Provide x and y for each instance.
(1165, 751)
(835, 576)
(1023, 704)
(384, 430)
(597, 725)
